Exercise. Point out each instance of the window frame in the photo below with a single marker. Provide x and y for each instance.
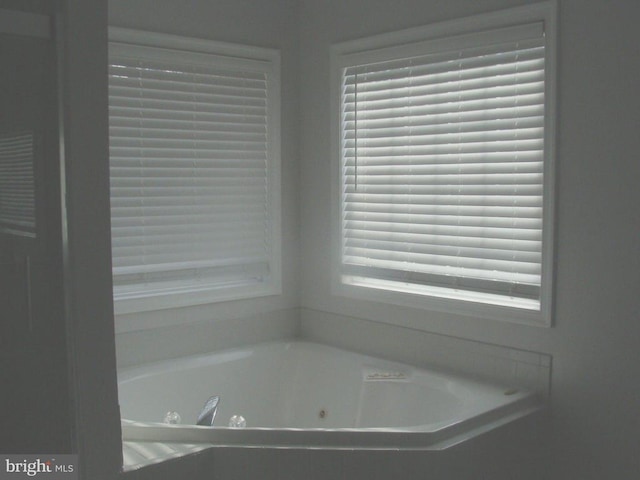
(406, 43)
(260, 59)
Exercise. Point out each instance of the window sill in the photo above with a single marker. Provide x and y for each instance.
(446, 301)
(127, 303)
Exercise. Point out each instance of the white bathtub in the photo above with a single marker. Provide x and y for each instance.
(301, 394)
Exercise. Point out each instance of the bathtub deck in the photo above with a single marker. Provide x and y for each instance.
(136, 454)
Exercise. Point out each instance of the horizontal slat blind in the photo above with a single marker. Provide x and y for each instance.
(442, 168)
(17, 184)
(189, 148)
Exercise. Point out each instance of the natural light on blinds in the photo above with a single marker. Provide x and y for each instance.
(189, 174)
(442, 170)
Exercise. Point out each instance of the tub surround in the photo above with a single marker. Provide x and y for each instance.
(203, 336)
(493, 363)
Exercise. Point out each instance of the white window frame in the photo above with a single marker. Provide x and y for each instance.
(259, 59)
(416, 41)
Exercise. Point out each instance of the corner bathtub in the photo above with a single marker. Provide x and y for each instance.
(306, 395)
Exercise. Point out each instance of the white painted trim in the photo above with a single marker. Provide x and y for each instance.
(191, 45)
(545, 11)
(191, 297)
(81, 29)
(550, 18)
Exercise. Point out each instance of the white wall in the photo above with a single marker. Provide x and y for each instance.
(596, 359)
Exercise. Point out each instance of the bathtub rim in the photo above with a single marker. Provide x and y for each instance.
(325, 439)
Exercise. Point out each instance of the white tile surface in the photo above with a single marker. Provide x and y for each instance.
(504, 365)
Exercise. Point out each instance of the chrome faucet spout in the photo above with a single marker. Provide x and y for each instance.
(208, 412)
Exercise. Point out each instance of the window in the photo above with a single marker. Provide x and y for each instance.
(17, 184)
(194, 166)
(445, 152)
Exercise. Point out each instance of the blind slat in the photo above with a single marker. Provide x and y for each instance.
(17, 183)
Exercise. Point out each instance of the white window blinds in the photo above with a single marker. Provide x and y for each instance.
(191, 160)
(17, 184)
(442, 167)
